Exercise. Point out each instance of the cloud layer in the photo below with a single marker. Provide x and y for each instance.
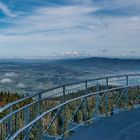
(77, 25)
(6, 10)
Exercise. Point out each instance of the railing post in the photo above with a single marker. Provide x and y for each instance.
(126, 94)
(106, 95)
(26, 120)
(126, 91)
(64, 91)
(85, 103)
(107, 83)
(63, 112)
(39, 108)
(127, 80)
(97, 100)
(10, 121)
(39, 111)
(86, 87)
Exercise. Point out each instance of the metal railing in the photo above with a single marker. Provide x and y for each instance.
(46, 110)
(73, 123)
(113, 80)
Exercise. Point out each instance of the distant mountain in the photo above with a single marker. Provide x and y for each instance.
(103, 64)
(100, 61)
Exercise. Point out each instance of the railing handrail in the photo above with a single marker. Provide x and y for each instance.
(24, 99)
(22, 108)
(26, 106)
(57, 87)
(63, 104)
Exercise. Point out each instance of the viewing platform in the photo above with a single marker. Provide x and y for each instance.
(122, 126)
(98, 109)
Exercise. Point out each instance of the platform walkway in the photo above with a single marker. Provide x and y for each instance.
(122, 126)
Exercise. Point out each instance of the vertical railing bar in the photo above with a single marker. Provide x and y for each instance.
(63, 112)
(10, 123)
(85, 103)
(97, 101)
(39, 111)
(26, 120)
(106, 95)
(127, 97)
(127, 80)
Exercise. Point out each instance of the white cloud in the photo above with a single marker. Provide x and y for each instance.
(10, 74)
(21, 85)
(69, 53)
(5, 81)
(51, 19)
(6, 10)
(45, 22)
(66, 28)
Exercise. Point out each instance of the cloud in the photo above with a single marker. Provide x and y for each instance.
(10, 74)
(21, 85)
(5, 81)
(6, 10)
(47, 21)
(69, 53)
(51, 19)
(62, 28)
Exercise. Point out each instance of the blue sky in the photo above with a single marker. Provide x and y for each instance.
(48, 27)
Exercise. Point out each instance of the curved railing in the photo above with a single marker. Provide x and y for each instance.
(123, 91)
(45, 110)
(114, 80)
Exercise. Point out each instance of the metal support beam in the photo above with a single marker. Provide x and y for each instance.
(76, 110)
(40, 123)
(127, 80)
(10, 121)
(97, 101)
(63, 113)
(106, 96)
(26, 120)
(85, 103)
(53, 119)
(127, 98)
(119, 97)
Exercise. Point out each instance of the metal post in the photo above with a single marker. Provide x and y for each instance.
(126, 91)
(127, 98)
(127, 80)
(26, 120)
(85, 103)
(39, 111)
(10, 123)
(86, 87)
(63, 113)
(106, 96)
(107, 83)
(39, 96)
(97, 101)
(64, 91)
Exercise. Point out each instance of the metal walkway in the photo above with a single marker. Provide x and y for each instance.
(123, 126)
